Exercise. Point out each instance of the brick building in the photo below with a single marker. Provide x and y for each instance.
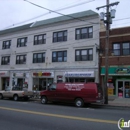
(118, 62)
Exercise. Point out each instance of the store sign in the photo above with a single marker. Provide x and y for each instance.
(123, 70)
(79, 74)
(39, 74)
(3, 73)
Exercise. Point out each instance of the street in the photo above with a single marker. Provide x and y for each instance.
(33, 115)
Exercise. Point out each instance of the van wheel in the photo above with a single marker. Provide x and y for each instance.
(43, 100)
(79, 102)
(1, 96)
(15, 97)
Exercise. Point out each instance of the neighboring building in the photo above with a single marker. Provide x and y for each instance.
(119, 63)
(61, 49)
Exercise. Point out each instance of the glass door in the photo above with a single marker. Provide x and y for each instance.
(127, 89)
(120, 88)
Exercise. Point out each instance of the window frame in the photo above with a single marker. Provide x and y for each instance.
(4, 46)
(37, 59)
(20, 43)
(82, 35)
(21, 61)
(63, 38)
(88, 56)
(37, 41)
(121, 50)
(63, 57)
(4, 62)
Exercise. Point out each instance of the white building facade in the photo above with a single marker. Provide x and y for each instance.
(62, 49)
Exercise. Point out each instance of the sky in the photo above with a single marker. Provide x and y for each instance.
(19, 12)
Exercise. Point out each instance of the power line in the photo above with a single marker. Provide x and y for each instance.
(58, 12)
(47, 14)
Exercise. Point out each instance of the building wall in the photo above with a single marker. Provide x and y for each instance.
(70, 45)
(116, 63)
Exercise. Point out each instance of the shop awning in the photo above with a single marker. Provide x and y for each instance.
(116, 70)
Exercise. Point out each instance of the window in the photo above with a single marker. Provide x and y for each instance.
(6, 44)
(59, 56)
(38, 57)
(116, 49)
(21, 59)
(60, 36)
(21, 42)
(83, 33)
(5, 60)
(84, 55)
(40, 39)
(121, 48)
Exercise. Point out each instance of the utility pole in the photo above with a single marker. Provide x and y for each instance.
(108, 21)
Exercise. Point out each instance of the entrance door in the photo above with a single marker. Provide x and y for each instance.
(120, 88)
(127, 89)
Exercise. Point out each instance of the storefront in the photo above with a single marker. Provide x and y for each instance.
(118, 81)
(20, 79)
(41, 80)
(79, 76)
(4, 75)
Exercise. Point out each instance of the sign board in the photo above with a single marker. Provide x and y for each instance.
(110, 91)
(79, 74)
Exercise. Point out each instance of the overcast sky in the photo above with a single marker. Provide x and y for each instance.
(18, 12)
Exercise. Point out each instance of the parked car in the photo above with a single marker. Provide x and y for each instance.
(78, 93)
(16, 93)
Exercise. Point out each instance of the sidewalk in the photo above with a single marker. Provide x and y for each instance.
(119, 102)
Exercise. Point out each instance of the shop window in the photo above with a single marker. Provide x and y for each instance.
(6, 44)
(5, 60)
(59, 56)
(21, 42)
(39, 39)
(83, 33)
(21, 59)
(39, 57)
(60, 36)
(84, 55)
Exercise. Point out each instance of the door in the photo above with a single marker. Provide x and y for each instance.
(127, 89)
(120, 88)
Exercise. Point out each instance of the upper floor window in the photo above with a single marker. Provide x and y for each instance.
(21, 42)
(121, 48)
(40, 39)
(84, 55)
(39, 57)
(6, 44)
(60, 36)
(83, 33)
(59, 56)
(5, 60)
(21, 59)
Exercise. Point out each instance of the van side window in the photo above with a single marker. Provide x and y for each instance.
(53, 87)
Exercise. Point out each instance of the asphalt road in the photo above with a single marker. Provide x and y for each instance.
(35, 116)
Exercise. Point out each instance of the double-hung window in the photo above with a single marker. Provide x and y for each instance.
(21, 59)
(121, 48)
(84, 55)
(40, 39)
(5, 60)
(6, 44)
(59, 56)
(83, 33)
(39, 57)
(21, 42)
(60, 36)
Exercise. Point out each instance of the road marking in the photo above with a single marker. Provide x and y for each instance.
(60, 116)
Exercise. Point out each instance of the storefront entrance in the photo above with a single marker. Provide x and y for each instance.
(123, 88)
(5, 82)
(41, 83)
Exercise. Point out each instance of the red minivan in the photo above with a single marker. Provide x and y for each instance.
(78, 93)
